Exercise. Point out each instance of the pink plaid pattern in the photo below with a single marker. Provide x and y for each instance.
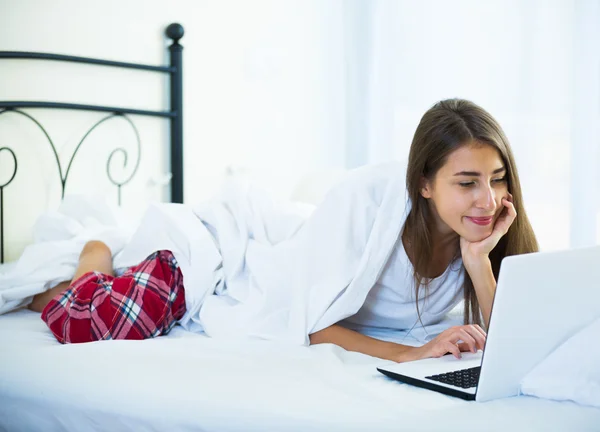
(144, 302)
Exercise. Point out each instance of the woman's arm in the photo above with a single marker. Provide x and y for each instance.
(473, 338)
(484, 283)
(351, 340)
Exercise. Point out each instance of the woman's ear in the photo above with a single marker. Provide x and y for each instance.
(426, 188)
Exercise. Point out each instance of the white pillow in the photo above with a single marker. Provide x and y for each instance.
(571, 372)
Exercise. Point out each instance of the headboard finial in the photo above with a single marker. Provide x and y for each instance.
(175, 32)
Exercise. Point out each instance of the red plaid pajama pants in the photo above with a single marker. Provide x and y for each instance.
(144, 302)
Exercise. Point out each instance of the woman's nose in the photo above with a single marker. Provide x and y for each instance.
(487, 199)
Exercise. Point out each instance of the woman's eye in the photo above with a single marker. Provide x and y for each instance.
(472, 183)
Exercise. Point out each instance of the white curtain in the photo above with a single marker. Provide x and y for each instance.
(535, 65)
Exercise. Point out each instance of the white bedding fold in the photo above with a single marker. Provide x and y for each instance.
(277, 270)
(571, 372)
(59, 237)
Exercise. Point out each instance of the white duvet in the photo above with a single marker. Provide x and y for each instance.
(268, 270)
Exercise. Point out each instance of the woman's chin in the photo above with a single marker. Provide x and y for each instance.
(474, 237)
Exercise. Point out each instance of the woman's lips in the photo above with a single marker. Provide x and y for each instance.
(481, 220)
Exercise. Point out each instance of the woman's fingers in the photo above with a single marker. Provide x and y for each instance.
(456, 340)
(510, 208)
(468, 339)
(477, 333)
(471, 335)
(478, 328)
(512, 212)
(481, 332)
(453, 349)
(463, 347)
(506, 218)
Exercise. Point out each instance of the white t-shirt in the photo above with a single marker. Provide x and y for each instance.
(391, 302)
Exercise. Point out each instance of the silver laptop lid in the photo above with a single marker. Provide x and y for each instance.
(541, 300)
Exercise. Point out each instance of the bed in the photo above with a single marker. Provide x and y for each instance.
(187, 381)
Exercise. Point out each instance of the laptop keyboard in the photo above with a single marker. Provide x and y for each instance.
(464, 378)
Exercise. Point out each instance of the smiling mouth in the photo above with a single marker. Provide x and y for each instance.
(481, 220)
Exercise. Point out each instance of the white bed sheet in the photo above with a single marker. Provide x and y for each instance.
(187, 381)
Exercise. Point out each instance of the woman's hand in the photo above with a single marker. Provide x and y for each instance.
(473, 251)
(453, 340)
(475, 257)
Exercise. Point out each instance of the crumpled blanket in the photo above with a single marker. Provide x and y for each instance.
(252, 267)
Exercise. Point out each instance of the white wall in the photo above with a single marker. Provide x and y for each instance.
(263, 89)
(282, 88)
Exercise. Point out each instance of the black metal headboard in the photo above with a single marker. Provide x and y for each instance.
(175, 115)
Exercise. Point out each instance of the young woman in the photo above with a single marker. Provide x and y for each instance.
(464, 197)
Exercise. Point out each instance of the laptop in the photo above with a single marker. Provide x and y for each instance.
(541, 300)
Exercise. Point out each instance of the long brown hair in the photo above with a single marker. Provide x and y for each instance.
(445, 127)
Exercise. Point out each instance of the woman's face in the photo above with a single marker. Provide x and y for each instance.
(466, 194)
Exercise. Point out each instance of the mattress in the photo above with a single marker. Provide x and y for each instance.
(186, 381)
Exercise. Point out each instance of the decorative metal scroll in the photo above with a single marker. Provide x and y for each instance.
(175, 114)
(64, 177)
